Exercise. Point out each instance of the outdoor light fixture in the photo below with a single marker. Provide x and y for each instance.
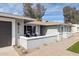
(18, 26)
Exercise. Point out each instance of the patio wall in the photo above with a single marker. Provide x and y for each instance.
(36, 42)
(65, 35)
(75, 28)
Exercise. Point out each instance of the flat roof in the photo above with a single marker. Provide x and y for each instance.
(8, 15)
(47, 23)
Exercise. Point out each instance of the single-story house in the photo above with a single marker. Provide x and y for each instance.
(14, 28)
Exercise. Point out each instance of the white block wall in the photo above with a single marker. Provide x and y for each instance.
(74, 28)
(36, 42)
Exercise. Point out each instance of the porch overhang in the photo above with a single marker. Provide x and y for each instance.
(47, 23)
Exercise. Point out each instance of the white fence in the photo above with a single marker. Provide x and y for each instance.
(36, 42)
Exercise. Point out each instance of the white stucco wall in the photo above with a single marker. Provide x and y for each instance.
(21, 28)
(50, 30)
(74, 28)
(66, 31)
(36, 42)
(38, 29)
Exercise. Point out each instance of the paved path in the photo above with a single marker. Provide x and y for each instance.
(8, 51)
(57, 49)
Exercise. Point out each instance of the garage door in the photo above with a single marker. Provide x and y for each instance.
(5, 33)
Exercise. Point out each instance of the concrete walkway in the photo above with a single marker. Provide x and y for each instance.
(57, 49)
(8, 51)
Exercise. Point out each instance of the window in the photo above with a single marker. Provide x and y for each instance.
(31, 30)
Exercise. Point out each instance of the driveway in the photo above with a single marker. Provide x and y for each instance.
(8, 51)
(57, 49)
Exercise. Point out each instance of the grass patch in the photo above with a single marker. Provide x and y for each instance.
(74, 47)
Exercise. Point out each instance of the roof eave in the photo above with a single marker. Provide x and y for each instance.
(16, 17)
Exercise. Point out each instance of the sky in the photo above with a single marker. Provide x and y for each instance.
(54, 12)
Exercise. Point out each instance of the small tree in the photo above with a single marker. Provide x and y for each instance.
(28, 10)
(66, 12)
(69, 14)
(37, 12)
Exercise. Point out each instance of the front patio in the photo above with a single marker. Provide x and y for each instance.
(57, 49)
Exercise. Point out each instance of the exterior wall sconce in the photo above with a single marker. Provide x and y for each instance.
(18, 26)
